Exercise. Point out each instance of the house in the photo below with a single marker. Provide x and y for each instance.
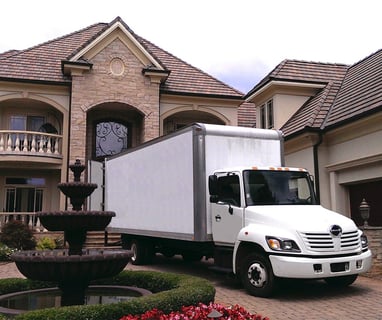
(90, 94)
(331, 117)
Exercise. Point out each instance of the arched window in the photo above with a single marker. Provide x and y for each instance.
(111, 138)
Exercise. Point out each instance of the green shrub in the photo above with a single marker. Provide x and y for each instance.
(46, 243)
(170, 293)
(5, 252)
(17, 235)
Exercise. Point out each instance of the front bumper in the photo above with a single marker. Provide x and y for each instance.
(315, 268)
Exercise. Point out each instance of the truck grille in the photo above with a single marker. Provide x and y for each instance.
(325, 242)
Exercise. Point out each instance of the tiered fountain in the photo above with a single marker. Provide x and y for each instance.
(73, 268)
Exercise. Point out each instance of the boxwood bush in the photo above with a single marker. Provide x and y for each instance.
(170, 293)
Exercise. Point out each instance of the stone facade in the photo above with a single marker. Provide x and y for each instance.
(115, 77)
(374, 235)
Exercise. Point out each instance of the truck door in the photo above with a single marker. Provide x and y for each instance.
(227, 212)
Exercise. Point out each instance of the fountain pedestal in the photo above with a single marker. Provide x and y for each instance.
(73, 269)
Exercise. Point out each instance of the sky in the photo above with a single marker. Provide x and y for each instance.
(237, 41)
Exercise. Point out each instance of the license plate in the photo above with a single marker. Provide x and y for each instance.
(339, 267)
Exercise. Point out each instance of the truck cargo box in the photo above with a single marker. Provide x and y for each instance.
(160, 188)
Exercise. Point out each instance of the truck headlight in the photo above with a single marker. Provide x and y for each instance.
(281, 244)
(364, 241)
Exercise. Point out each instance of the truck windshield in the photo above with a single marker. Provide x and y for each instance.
(264, 187)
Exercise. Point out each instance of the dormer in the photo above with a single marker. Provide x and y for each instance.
(288, 87)
(277, 101)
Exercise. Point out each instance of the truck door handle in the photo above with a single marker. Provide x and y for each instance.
(218, 218)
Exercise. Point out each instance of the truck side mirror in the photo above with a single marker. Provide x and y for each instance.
(213, 188)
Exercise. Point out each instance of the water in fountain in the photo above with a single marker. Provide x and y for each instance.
(73, 269)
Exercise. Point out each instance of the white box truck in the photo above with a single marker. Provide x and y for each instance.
(222, 192)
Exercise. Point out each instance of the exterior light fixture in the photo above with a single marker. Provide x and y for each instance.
(364, 210)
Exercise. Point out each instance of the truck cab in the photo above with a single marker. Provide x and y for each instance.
(271, 222)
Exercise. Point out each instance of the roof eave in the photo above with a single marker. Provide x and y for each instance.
(75, 67)
(352, 119)
(204, 95)
(37, 81)
(285, 83)
(156, 75)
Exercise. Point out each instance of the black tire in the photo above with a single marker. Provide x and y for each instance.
(342, 281)
(257, 276)
(140, 252)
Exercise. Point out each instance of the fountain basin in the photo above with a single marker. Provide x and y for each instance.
(77, 192)
(76, 189)
(75, 220)
(59, 266)
(20, 302)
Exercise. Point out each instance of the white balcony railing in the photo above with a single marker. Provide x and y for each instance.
(30, 142)
(29, 218)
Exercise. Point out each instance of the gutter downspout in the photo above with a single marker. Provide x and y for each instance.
(316, 169)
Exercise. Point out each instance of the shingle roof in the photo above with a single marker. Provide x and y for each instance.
(300, 71)
(184, 78)
(360, 93)
(313, 113)
(43, 63)
(246, 115)
(350, 92)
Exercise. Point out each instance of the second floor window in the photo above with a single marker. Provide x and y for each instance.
(266, 115)
(26, 123)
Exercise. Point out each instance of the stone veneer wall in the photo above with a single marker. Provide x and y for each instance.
(374, 235)
(116, 76)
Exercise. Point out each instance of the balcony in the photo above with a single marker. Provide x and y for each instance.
(30, 143)
(29, 218)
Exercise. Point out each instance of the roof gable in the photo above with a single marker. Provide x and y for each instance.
(117, 30)
(42, 63)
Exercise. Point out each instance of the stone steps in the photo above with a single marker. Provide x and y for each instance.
(96, 239)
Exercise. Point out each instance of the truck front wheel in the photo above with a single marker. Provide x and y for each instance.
(257, 275)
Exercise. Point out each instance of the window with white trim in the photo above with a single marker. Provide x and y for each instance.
(266, 115)
(24, 194)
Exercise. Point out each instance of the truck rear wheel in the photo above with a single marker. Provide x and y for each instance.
(142, 252)
(343, 281)
(257, 275)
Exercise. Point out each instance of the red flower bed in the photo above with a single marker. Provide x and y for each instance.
(199, 312)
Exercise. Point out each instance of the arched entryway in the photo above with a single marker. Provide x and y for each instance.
(181, 119)
(112, 128)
